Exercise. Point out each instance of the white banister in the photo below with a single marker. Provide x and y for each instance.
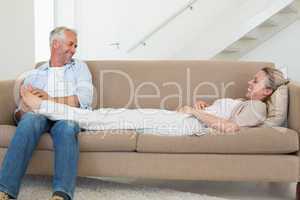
(142, 41)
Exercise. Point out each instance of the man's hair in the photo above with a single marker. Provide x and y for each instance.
(275, 78)
(59, 34)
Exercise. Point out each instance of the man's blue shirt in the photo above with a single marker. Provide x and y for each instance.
(76, 77)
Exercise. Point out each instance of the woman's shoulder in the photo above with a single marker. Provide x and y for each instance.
(256, 105)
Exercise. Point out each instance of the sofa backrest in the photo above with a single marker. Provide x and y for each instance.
(294, 106)
(7, 102)
(168, 84)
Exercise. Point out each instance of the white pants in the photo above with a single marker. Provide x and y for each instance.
(145, 121)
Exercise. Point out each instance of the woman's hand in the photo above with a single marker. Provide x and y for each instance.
(226, 126)
(199, 105)
(186, 110)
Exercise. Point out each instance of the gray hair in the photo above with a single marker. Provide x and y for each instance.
(275, 78)
(59, 34)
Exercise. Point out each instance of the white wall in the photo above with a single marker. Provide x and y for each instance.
(283, 49)
(199, 33)
(16, 37)
(107, 21)
(43, 24)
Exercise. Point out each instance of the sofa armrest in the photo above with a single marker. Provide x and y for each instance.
(294, 106)
(7, 102)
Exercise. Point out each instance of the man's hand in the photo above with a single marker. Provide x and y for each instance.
(40, 93)
(199, 105)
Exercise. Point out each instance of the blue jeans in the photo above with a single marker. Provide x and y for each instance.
(28, 133)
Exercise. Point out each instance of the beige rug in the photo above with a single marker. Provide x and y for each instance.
(39, 188)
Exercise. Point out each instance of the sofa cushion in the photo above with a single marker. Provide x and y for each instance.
(277, 106)
(294, 108)
(109, 141)
(118, 140)
(246, 141)
(8, 101)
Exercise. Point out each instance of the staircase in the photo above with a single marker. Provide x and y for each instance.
(174, 29)
(261, 33)
(208, 33)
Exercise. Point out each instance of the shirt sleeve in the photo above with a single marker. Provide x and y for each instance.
(27, 78)
(251, 114)
(84, 87)
(30, 77)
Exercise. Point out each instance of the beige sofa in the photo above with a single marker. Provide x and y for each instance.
(256, 154)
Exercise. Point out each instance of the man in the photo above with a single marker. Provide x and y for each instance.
(62, 80)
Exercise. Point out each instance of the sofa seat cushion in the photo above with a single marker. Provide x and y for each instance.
(246, 141)
(94, 141)
(111, 141)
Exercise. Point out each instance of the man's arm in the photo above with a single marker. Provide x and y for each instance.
(84, 91)
(212, 121)
(68, 100)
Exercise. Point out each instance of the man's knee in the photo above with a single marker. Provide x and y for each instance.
(33, 122)
(66, 128)
(33, 117)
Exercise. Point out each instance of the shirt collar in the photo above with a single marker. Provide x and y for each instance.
(46, 66)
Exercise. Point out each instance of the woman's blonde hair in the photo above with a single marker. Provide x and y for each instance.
(275, 78)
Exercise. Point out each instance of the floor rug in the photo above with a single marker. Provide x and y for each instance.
(39, 188)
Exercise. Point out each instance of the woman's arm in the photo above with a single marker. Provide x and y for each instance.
(212, 121)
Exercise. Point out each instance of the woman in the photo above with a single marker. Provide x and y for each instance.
(225, 115)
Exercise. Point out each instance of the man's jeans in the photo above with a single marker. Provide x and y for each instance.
(28, 132)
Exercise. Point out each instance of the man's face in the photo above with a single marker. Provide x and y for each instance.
(256, 87)
(67, 48)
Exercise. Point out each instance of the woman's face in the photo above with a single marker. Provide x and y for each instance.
(256, 87)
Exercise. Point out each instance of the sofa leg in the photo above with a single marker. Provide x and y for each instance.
(298, 191)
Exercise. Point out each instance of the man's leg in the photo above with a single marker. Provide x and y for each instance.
(20, 150)
(66, 147)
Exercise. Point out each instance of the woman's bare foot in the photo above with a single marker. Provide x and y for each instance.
(29, 99)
